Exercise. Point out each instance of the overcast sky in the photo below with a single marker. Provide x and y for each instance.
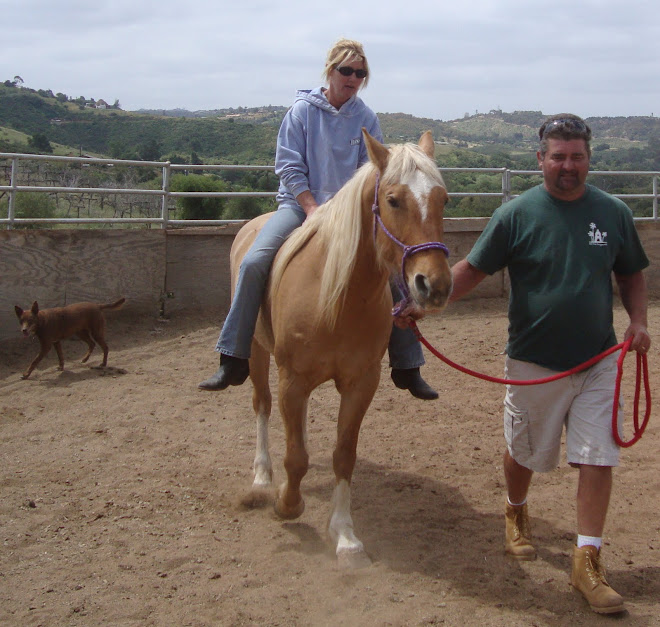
(429, 58)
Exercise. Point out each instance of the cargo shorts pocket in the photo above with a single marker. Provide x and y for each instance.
(516, 433)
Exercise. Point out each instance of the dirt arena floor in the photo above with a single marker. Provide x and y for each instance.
(120, 496)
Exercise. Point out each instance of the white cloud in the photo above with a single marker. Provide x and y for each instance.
(431, 59)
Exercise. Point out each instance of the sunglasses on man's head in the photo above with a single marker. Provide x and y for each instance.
(569, 124)
(348, 71)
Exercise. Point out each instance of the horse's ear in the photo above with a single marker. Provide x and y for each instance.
(378, 154)
(427, 144)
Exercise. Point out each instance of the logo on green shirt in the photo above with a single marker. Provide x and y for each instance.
(597, 237)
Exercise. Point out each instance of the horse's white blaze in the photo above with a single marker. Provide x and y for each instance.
(341, 523)
(263, 467)
(420, 186)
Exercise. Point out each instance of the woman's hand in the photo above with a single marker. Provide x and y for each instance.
(411, 313)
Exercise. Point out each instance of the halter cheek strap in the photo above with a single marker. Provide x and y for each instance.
(408, 251)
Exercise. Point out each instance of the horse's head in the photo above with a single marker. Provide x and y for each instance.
(409, 205)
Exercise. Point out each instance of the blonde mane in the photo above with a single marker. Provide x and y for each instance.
(338, 224)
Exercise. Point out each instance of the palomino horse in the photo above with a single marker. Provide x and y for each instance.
(328, 312)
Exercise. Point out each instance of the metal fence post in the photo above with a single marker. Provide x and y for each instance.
(506, 185)
(166, 195)
(655, 197)
(12, 192)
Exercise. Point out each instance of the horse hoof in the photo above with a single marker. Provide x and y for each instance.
(289, 513)
(353, 560)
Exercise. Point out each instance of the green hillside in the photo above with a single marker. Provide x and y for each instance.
(38, 121)
(121, 134)
(248, 135)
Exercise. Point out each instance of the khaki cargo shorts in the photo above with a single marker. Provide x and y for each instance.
(535, 416)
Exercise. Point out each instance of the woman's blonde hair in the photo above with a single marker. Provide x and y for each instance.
(344, 51)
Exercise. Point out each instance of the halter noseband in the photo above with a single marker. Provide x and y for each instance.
(407, 252)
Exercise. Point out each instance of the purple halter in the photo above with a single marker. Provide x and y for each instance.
(407, 252)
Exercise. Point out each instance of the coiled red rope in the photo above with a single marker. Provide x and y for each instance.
(642, 373)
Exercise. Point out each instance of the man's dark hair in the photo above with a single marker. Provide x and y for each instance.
(564, 126)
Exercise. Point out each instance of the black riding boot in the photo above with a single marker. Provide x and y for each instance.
(410, 379)
(232, 371)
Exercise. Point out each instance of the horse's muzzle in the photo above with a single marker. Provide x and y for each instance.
(431, 294)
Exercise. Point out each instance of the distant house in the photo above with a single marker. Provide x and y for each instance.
(96, 104)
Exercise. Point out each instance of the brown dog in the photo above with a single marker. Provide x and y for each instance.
(52, 326)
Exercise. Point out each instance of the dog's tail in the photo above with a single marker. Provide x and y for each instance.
(115, 305)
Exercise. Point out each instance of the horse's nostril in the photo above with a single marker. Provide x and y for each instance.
(422, 285)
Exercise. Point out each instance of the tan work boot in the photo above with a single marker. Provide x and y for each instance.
(588, 577)
(518, 542)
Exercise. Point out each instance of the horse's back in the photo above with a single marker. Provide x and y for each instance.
(290, 325)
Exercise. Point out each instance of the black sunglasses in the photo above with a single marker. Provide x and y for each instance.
(569, 124)
(348, 71)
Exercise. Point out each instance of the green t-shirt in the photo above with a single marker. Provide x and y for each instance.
(560, 256)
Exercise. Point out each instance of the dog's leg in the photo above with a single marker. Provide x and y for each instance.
(84, 335)
(60, 354)
(42, 353)
(104, 346)
(97, 334)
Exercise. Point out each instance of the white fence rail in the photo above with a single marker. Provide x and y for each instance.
(166, 195)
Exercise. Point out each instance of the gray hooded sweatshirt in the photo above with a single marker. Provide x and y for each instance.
(319, 148)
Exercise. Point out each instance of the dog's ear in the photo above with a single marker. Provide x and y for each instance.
(35, 308)
(19, 311)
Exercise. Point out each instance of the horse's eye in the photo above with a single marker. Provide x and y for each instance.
(393, 202)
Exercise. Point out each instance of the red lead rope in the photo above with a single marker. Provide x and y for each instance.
(642, 370)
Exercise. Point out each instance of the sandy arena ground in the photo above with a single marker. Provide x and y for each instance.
(121, 488)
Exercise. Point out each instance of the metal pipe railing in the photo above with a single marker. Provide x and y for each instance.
(166, 194)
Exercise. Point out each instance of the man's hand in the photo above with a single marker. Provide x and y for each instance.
(641, 340)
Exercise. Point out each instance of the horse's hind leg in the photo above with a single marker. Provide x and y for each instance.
(260, 494)
(262, 404)
(293, 399)
(355, 400)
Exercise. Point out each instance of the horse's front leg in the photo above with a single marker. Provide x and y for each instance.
(293, 397)
(355, 400)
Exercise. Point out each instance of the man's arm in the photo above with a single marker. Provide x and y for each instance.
(466, 278)
(634, 296)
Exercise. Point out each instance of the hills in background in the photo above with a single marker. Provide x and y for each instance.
(33, 118)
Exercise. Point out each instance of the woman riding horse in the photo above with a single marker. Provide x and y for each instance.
(319, 148)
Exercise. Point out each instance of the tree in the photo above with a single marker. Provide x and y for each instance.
(40, 143)
(150, 151)
(246, 208)
(198, 208)
(32, 205)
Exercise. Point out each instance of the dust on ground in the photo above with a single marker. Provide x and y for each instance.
(121, 490)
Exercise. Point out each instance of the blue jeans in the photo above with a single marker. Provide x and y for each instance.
(237, 332)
